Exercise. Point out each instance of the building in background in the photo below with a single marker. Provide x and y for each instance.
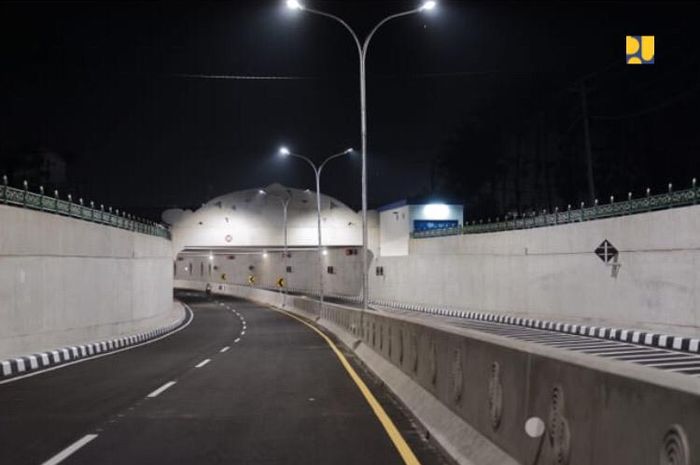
(399, 219)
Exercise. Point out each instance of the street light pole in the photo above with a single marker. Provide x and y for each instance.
(362, 52)
(317, 172)
(285, 203)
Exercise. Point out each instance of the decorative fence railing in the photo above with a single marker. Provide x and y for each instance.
(53, 204)
(670, 199)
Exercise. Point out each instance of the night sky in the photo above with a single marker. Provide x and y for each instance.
(112, 86)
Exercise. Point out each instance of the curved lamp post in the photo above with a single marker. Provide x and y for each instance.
(285, 203)
(284, 152)
(362, 53)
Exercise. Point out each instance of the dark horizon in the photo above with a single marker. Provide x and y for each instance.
(118, 88)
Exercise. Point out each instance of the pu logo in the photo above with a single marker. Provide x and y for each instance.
(640, 50)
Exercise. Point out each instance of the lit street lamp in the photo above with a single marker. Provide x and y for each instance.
(362, 51)
(284, 151)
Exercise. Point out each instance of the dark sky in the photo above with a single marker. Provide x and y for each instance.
(103, 82)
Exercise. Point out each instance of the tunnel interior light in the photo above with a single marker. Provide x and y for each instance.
(211, 256)
(436, 211)
(429, 5)
(264, 254)
(294, 5)
(324, 251)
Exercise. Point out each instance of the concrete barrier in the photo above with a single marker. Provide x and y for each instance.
(65, 281)
(475, 391)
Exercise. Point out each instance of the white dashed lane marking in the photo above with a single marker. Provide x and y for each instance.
(70, 450)
(224, 349)
(161, 389)
(202, 363)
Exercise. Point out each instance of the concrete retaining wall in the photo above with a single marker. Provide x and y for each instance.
(67, 281)
(474, 392)
(553, 272)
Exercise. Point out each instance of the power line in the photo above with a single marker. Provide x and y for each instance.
(240, 77)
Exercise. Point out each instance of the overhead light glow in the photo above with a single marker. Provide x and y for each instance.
(436, 211)
(284, 151)
(429, 5)
(260, 191)
(325, 252)
(294, 5)
(264, 254)
(211, 256)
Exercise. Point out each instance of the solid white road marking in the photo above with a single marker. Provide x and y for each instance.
(70, 450)
(224, 349)
(161, 389)
(202, 363)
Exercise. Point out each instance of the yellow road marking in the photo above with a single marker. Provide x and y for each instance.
(404, 449)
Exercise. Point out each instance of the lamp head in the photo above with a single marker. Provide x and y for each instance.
(284, 151)
(350, 150)
(260, 191)
(428, 5)
(294, 5)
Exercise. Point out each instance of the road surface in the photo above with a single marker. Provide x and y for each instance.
(241, 384)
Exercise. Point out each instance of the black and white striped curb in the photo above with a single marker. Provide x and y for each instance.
(684, 344)
(35, 362)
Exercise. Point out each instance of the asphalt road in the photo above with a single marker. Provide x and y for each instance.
(242, 384)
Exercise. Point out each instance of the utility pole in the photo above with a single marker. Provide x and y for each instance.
(587, 142)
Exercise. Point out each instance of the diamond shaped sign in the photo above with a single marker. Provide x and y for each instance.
(606, 251)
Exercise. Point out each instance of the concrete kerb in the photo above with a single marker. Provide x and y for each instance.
(493, 384)
(29, 364)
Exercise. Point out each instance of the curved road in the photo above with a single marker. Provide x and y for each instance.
(241, 384)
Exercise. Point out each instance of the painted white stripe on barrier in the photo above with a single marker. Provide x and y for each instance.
(663, 340)
(6, 368)
(20, 365)
(70, 450)
(56, 356)
(648, 339)
(45, 359)
(33, 362)
(677, 342)
(694, 344)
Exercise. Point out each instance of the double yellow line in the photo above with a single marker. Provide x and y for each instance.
(399, 442)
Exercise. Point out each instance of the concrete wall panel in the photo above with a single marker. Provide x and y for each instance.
(67, 281)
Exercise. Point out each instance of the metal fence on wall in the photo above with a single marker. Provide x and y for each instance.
(53, 204)
(670, 199)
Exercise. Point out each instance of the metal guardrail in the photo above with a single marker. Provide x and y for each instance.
(53, 204)
(670, 199)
